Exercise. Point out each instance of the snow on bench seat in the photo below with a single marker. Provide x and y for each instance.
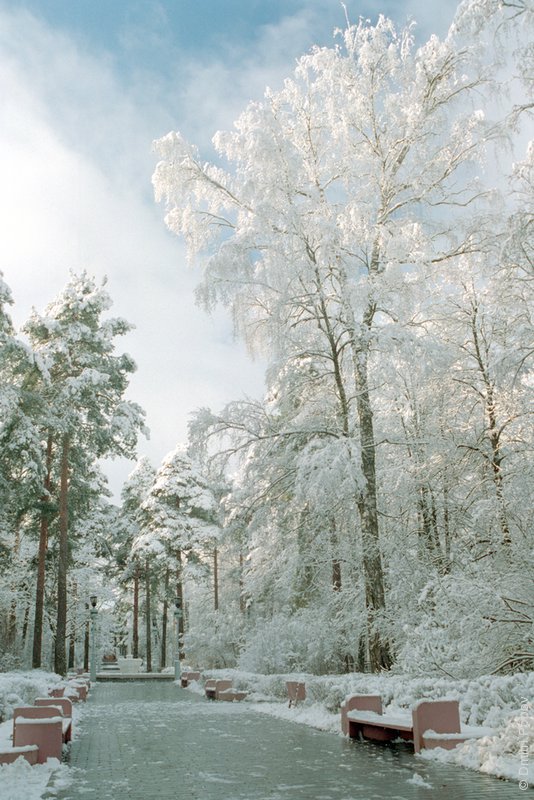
(432, 739)
(29, 752)
(187, 677)
(231, 695)
(401, 722)
(213, 687)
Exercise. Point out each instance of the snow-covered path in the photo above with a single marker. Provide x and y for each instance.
(142, 741)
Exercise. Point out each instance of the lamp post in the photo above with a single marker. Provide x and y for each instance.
(177, 615)
(94, 613)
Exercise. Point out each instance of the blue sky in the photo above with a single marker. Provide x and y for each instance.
(85, 88)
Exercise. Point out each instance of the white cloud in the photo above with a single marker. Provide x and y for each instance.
(76, 163)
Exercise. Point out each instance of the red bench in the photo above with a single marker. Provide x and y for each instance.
(65, 704)
(212, 687)
(222, 690)
(75, 690)
(29, 752)
(430, 723)
(231, 695)
(186, 677)
(296, 692)
(40, 726)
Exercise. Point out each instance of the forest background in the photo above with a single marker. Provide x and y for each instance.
(369, 227)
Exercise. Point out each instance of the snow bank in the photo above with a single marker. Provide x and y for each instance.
(20, 780)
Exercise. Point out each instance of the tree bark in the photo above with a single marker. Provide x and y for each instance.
(379, 652)
(242, 598)
(336, 563)
(41, 562)
(180, 596)
(490, 410)
(163, 656)
(60, 655)
(148, 619)
(135, 632)
(215, 579)
(86, 641)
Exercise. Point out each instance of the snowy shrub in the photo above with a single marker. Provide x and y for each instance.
(9, 662)
(21, 688)
(461, 627)
(305, 641)
(214, 640)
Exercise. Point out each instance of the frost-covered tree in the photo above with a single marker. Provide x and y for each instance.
(133, 495)
(22, 466)
(179, 522)
(83, 383)
(335, 196)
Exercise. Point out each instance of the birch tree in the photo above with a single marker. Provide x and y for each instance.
(334, 196)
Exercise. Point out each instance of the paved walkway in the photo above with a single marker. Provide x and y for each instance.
(159, 742)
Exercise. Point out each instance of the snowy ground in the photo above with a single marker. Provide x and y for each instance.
(501, 703)
(20, 780)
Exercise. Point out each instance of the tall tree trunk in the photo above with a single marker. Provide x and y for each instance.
(148, 619)
(135, 632)
(86, 641)
(11, 632)
(25, 624)
(60, 654)
(379, 653)
(180, 596)
(41, 562)
(336, 563)
(12, 625)
(215, 579)
(494, 434)
(72, 635)
(163, 656)
(242, 598)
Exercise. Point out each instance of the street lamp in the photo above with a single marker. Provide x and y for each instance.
(177, 615)
(94, 613)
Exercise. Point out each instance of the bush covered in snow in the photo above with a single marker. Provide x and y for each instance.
(21, 688)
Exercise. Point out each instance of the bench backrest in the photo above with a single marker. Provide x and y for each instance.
(36, 712)
(60, 702)
(359, 702)
(442, 716)
(45, 733)
(296, 690)
(211, 683)
(222, 685)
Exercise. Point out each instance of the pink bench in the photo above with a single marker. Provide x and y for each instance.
(222, 690)
(231, 695)
(296, 692)
(29, 752)
(75, 690)
(63, 703)
(431, 723)
(212, 687)
(186, 677)
(43, 727)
